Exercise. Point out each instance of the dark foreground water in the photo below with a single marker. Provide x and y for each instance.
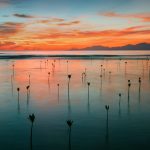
(128, 124)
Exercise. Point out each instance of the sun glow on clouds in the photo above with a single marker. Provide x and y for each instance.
(56, 36)
(24, 31)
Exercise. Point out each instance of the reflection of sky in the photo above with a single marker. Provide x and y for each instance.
(89, 119)
(89, 14)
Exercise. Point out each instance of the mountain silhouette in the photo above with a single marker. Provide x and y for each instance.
(140, 46)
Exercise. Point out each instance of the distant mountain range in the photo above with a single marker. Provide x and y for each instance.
(141, 46)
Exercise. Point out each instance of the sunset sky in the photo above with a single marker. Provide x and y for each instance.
(67, 24)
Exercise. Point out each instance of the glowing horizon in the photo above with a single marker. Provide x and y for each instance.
(55, 25)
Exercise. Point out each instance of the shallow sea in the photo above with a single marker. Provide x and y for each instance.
(128, 122)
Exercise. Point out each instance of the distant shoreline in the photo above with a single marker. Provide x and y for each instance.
(24, 56)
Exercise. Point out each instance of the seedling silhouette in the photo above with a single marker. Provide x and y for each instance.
(88, 83)
(31, 118)
(69, 106)
(101, 81)
(69, 123)
(13, 69)
(58, 91)
(139, 88)
(107, 132)
(129, 85)
(18, 90)
(28, 93)
(101, 68)
(107, 109)
(69, 77)
(119, 103)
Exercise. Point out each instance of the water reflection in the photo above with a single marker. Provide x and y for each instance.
(31, 118)
(107, 127)
(101, 82)
(13, 69)
(49, 87)
(88, 97)
(29, 79)
(12, 85)
(79, 96)
(28, 94)
(69, 103)
(109, 77)
(18, 90)
(119, 112)
(67, 67)
(149, 73)
(125, 71)
(69, 123)
(58, 92)
(139, 90)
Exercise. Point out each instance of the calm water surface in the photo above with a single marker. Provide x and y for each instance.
(92, 52)
(128, 125)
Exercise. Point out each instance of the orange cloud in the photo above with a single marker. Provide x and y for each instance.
(57, 19)
(60, 39)
(10, 28)
(55, 34)
(144, 17)
(69, 23)
(7, 45)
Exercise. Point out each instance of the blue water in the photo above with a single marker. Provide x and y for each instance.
(127, 128)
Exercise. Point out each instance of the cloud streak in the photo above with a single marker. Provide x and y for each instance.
(51, 20)
(4, 3)
(7, 43)
(21, 38)
(135, 30)
(70, 23)
(23, 16)
(10, 28)
(144, 17)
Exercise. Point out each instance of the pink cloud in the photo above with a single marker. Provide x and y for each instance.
(144, 17)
